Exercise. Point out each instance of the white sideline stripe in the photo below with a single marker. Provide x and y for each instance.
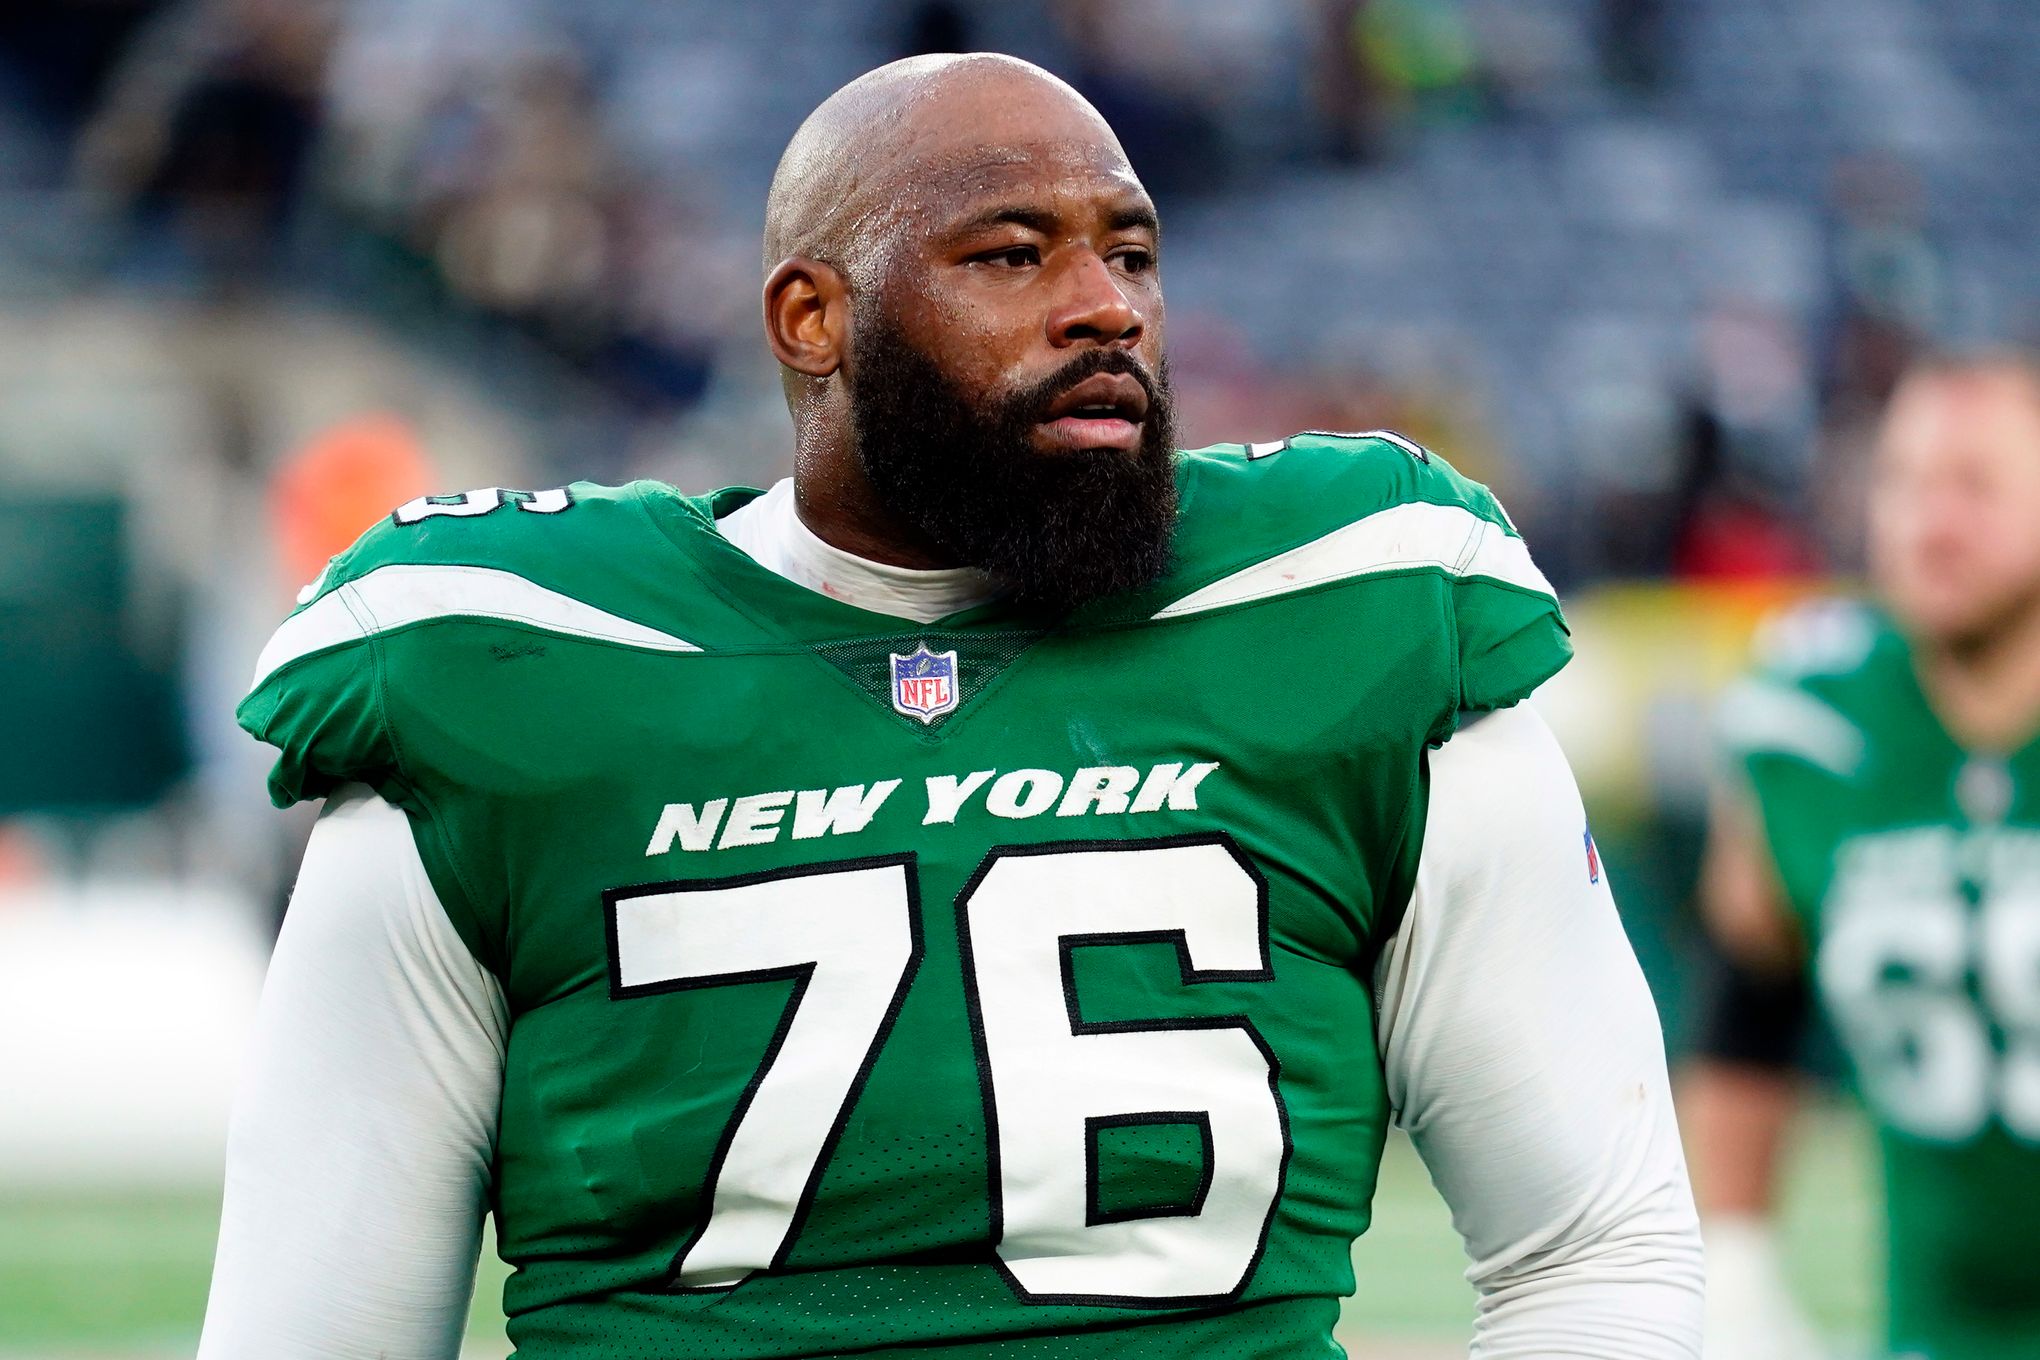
(393, 596)
(1756, 716)
(1415, 534)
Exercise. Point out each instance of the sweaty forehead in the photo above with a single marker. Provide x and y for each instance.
(913, 146)
(952, 181)
(998, 139)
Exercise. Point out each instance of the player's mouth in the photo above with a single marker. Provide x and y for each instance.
(1104, 411)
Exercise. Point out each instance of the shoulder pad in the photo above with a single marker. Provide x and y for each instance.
(1831, 636)
(319, 689)
(1319, 508)
(490, 526)
(1320, 475)
(1267, 447)
(1798, 700)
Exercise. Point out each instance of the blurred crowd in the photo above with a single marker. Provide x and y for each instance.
(1656, 306)
(560, 179)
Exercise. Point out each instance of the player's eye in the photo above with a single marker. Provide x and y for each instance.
(1009, 257)
(1136, 260)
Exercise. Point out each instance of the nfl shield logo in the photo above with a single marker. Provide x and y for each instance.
(924, 683)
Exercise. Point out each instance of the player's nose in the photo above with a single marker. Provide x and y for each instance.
(1094, 306)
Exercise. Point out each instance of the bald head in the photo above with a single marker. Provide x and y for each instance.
(879, 150)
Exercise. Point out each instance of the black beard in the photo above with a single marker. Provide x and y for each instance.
(1052, 530)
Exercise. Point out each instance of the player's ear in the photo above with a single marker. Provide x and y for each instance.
(807, 315)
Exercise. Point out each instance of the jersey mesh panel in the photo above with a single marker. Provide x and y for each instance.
(980, 657)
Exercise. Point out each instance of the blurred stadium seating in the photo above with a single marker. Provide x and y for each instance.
(1647, 267)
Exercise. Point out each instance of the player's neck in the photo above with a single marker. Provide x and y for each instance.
(839, 505)
(1987, 690)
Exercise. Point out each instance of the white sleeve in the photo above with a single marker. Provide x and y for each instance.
(1523, 1055)
(358, 1155)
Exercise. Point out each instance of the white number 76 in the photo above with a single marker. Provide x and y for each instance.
(848, 934)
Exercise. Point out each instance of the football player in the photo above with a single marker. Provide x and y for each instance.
(992, 892)
(1884, 838)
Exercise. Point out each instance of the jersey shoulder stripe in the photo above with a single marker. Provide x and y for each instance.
(1842, 666)
(1830, 636)
(1249, 502)
(401, 594)
(435, 589)
(1414, 534)
(1761, 717)
(1433, 552)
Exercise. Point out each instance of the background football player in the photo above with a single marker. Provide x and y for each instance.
(991, 892)
(1884, 839)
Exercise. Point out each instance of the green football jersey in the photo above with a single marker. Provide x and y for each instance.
(1000, 981)
(1914, 866)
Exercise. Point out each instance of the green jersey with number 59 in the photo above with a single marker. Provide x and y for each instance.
(1002, 981)
(1915, 868)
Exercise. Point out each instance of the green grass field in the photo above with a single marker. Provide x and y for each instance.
(123, 1277)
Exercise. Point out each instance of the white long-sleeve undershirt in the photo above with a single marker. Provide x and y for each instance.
(358, 1154)
(1523, 1055)
(1521, 1049)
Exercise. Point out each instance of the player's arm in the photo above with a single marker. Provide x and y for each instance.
(1524, 1056)
(358, 1156)
(1738, 1094)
